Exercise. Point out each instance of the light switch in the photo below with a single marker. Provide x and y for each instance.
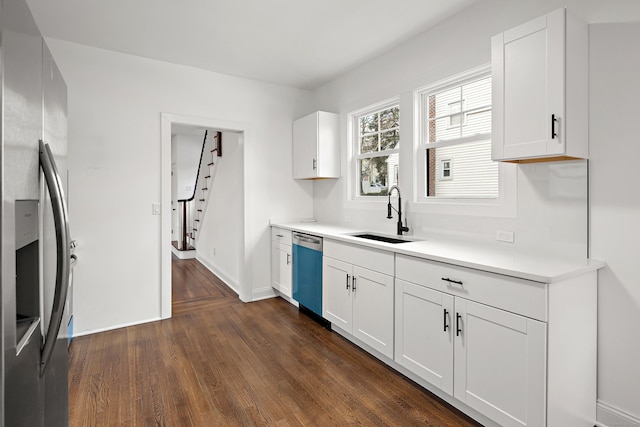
(155, 208)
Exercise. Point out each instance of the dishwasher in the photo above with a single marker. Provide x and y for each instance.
(307, 272)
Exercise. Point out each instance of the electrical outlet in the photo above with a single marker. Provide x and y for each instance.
(155, 208)
(505, 236)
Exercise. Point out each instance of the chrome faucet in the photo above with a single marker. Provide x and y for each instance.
(401, 228)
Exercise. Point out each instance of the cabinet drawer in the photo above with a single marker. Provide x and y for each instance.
(373, 259)
(519, 296)
(281, 235)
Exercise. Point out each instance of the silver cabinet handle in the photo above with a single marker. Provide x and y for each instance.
(288, 259)
(63, 247)
(348, 281)
(353, 283)
(315, 164)
(457, 282)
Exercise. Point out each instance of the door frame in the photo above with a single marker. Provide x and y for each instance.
(166, 120)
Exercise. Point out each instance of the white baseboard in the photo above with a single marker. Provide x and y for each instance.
(610, 416)
(183, 254)
(111, 328)
(226, 279)
(262, 293)
(286, 298)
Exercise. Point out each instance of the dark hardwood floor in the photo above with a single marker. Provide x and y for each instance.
(220, 362)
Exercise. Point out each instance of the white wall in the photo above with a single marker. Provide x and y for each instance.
(615, 210)
(115, 103)
(552, 198)
(219, 244)
(188, 149)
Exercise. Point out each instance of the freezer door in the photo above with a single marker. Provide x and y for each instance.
(21, 44)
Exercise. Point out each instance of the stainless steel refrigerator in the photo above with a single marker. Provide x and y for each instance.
(36, 251)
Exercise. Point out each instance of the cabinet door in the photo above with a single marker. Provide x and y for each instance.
(424, 333)
(281, 268)
(328, 164)
(528, 71)
(336, 293)
(305, 147)
(277, 255)
(285, 270)
(373, 309)
(500, 364)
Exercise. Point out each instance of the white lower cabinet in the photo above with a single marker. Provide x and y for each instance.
(521, 353)
(496, 357)
(281, 267)
(359, 301)
(424, 333)
(516, 352)
(499, 364)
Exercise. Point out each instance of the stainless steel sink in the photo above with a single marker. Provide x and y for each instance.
(383, 238)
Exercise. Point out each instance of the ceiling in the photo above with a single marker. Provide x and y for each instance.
(297, 43)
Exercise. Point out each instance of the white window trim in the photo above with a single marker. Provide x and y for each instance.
(504, 206)
(353, 156)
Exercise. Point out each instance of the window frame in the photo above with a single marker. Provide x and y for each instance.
(355, 186)
(504, 205)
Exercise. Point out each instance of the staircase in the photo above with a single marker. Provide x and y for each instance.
(191, 211)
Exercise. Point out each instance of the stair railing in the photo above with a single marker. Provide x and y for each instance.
(190, 216)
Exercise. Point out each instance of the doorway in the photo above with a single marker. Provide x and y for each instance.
(224, 247)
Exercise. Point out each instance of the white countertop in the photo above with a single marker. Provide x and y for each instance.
(471, 255)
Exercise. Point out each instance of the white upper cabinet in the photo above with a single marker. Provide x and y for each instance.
(540, 90)
(316, 146)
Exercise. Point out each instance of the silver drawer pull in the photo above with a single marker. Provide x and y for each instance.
(279, 235)
(457, 282)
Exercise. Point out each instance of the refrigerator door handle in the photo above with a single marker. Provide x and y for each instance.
(63, 249)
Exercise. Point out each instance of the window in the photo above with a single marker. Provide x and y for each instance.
(454, 150)
(377, 149)
(445, 169)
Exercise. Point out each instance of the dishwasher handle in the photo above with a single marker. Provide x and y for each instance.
(308, 241)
